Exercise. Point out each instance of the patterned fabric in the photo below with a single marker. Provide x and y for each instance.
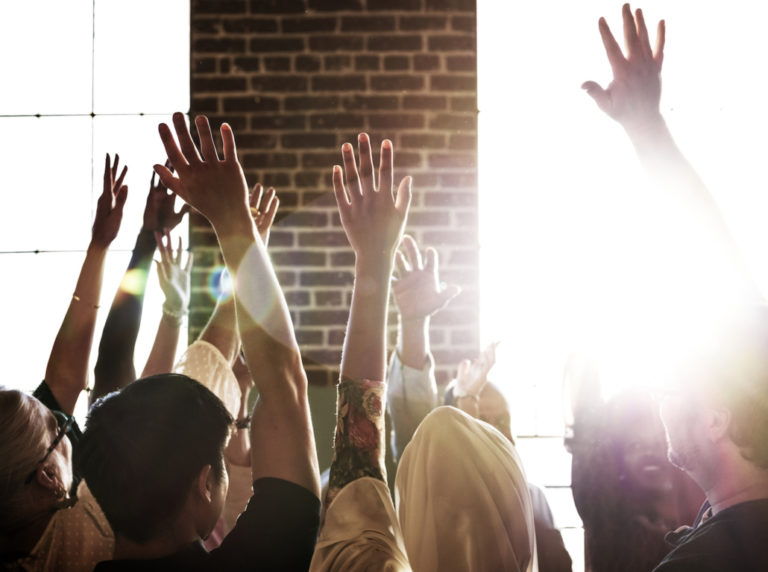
(75, 540)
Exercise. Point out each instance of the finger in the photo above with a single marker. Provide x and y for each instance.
(403, 199)
(612, 49)
(175, 156)
(207, 146)
(107, 177)
(386, 168)
(169, 181)
(228, 142)
(401, 264)
(182, 211)
(464, 367)
(114, 166)
(630, 32)
(269, 197)
(366, 163)
(120, 198)
(601, 96)
(412, 252)
(642, 35)
(185, 139)
(179, 250)
(658, 52)
(119, 182)
(430, 261)
(256, 195)
(449, 294)
(188, 267)
(350, 172)
(269, 215)
(342, 202)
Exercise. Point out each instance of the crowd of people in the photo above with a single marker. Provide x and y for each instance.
(177, 469)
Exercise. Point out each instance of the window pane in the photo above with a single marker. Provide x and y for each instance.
(47, 183)
(141, 56)
(46, 63)
(36, 292)
(136, 140)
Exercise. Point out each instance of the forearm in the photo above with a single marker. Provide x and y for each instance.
(238, 451)
(221, 329)
(414, 341)
(707, 236)
(364, 354)
(67, 370)
(359, 439)
(114, 365)
(163, 354)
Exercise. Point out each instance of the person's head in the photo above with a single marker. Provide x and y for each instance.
(36, 468)
(720, 399)
(494, 409)
(638, 448)
(153, 453)
(462, 498)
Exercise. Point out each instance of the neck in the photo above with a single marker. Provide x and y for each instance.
(738, 481)
(158, 547)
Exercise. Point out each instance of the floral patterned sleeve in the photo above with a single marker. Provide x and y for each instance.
(359, 441)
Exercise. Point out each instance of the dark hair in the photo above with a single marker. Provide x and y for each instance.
(144, 446)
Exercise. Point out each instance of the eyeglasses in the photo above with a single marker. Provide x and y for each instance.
(63, 430)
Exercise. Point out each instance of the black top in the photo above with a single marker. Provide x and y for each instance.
(44, 394)
(736, 538)
(277, 531)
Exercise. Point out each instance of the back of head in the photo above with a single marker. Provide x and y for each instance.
(24, 436)
(729, 368)
(144, 446)
(462, 497)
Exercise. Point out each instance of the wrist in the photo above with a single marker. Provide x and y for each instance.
(174, 314)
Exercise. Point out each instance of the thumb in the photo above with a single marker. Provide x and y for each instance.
(403, 199)
(597, 93)
(449, 293)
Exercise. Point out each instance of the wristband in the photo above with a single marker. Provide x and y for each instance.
(76, 298)
(243, 423)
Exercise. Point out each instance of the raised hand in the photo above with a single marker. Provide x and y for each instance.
(174, 278)
(263, 210)
(417, 290)
(632, 98)
(372, 216)
(215, 187)
(473, 375)
(160, 211)
(109, 208)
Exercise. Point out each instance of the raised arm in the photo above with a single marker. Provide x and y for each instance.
(373, 218)
(67, 372)
(114, 365)
(411, 389)
(632, 99)
(281, 429)
(174, 282)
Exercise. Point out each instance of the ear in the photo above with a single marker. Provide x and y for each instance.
(47, 478)
(718, 423)
(205, 483)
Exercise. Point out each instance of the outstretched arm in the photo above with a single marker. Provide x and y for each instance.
(114, 365)
(174, 282)
(411, 389)
(281, 428)
(373, 218)
(67, 372)
(632, 99)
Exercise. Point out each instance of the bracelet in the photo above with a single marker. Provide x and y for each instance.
(243, 423)
(177, 315)
(76, 298)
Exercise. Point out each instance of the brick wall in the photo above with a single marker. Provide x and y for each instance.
(296, 79)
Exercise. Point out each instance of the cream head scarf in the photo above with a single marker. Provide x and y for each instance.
(462, 498)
